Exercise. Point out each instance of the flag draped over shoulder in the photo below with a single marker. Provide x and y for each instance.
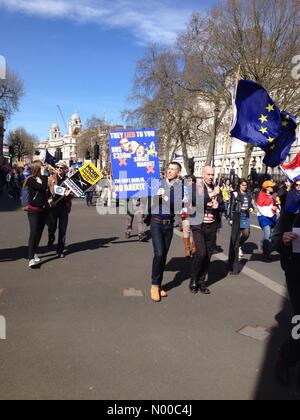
(51, 160)
(292, 170)
(259, 122)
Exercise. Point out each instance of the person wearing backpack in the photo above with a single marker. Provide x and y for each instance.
(37, 209)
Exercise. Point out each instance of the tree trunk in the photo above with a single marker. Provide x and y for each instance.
(211, 149)
(248, 155)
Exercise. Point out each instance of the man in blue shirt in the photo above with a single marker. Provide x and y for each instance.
(166, 205)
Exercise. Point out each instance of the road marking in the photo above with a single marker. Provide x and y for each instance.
(258, 333)
(132, 293)
(254, 275)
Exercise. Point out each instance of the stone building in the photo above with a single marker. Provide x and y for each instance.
(64, 143)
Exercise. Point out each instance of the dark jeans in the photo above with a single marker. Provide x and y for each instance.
(89, 198)
(59, 214)
(162, 236)
(37, 222)
(205, 238)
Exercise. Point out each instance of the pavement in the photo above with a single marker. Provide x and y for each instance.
(84, 327)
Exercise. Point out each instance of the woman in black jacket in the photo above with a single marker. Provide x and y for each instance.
(240, 208)
(37, 185)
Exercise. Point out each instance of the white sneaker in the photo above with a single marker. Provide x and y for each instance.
(240, 253)
(32, 263)
(37, 259)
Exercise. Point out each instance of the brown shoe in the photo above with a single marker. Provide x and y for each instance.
(163, 293)
(155, 294)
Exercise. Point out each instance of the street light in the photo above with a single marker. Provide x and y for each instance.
(232, 173)
(2, 130)
(217, 110)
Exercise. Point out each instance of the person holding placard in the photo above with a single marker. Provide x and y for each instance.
(60, 207)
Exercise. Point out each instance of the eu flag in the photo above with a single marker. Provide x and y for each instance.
(259, 122)
(279, 149)
(51, 160)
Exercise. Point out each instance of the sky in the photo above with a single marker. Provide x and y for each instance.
(82, 54)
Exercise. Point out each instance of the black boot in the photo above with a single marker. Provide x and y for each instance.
(193, 286)
(203, 288)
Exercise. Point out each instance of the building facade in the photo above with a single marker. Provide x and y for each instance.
(63, 143)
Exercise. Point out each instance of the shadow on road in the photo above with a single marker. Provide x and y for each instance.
(217, 272)
(15, 254)
(268, 387)
(249, 248)
(261, 258)
(90, 245)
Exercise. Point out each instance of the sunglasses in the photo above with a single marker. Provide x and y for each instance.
(297, 185)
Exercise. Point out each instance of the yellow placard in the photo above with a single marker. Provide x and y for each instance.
(90, 173)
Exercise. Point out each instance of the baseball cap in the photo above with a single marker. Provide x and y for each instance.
(268, 184)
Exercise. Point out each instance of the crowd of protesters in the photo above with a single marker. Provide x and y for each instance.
(201, 203)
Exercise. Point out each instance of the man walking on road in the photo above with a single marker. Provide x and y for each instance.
(166, 205)
(60, 209)
(205, 229)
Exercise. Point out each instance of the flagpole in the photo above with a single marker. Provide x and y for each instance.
(229, 130)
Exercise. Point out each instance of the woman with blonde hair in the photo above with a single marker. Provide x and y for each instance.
(37, 209)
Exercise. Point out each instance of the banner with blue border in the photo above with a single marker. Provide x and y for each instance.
(135, 164)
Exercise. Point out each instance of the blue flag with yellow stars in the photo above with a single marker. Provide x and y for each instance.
(277, 153)
(259, 122)
(51, 160)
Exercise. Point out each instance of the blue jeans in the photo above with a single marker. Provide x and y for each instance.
(266, 244)
(162, 236)
(89, 198)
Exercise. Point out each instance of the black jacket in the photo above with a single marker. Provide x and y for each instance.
(37, 192)
(236, 203)
(200, 200)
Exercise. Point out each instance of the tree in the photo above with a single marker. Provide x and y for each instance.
(196, 77)
(22, 143)
(11, 91)
(96, 133)
(164, 104)
(261, 35)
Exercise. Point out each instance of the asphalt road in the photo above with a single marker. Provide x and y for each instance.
(72, 334)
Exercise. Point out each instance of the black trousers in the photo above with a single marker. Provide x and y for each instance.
(205, 237)
(58, 216)
(37, 222)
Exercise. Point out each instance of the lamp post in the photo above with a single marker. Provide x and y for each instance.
(215, 133)
(232, 173)
(2, 130)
